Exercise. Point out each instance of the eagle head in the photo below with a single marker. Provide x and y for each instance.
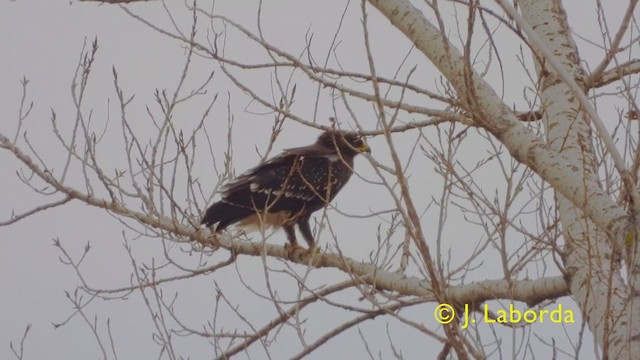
(346, 143)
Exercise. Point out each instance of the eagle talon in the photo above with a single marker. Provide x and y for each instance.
(292, 248)
(313, 250)
(313, 253)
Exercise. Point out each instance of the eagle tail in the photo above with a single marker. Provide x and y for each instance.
(224, 214)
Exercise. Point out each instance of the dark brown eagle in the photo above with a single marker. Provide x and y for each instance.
(285, 190)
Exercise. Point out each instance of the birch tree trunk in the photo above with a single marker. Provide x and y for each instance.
(609, 306)
(592, 223)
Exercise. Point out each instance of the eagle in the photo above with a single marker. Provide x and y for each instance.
(285, 190)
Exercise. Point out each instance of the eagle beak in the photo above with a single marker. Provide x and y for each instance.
(364, 148)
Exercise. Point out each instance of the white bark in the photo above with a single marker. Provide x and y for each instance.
(609, 307)
(596, 283)
(495, 116)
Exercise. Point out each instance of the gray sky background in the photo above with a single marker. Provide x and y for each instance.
(42, 41)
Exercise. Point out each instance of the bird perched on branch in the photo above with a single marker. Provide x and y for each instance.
(285, 190)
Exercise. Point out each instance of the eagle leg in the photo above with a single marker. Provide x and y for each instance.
(305, 229)
(291, 236)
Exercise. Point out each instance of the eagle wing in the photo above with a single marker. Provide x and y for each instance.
(298, 182)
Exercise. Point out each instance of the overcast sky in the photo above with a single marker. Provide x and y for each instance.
(42, 40)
